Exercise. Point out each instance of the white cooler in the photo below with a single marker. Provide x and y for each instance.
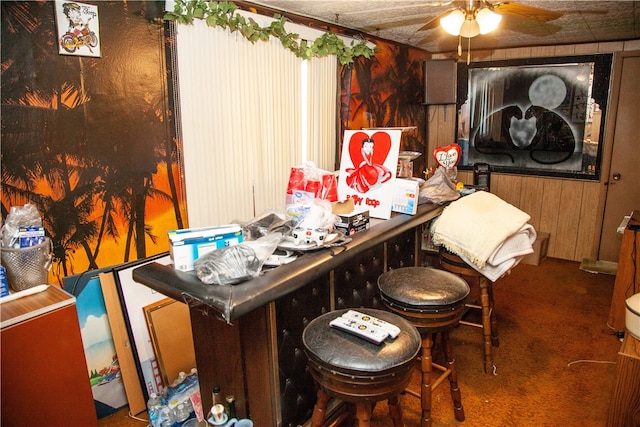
(632, 315)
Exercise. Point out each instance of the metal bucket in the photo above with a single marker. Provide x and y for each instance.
(27, 267)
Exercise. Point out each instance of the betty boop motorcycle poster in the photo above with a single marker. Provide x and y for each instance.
(368, 169)
(78, 28)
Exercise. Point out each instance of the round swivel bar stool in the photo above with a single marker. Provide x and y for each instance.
(351, 369)
(453, 263)
(433, 301)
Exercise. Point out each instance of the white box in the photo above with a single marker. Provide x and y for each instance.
(188, 245)
(405, 196)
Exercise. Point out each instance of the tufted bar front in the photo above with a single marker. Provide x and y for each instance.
(248, 337)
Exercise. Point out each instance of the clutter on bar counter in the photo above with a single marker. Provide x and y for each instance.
(233, 253)
(189, 244)
(26, 250)
(322, 209)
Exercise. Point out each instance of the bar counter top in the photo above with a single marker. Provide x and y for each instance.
(234, 301)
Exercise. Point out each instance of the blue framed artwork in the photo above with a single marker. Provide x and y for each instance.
(103, 369)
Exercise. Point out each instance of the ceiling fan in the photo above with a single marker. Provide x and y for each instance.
(474, 17)
(483, 12)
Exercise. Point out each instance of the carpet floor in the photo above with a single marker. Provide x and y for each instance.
(555, 365)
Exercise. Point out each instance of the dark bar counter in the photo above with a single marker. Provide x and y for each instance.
(245, 334)
(233, 301)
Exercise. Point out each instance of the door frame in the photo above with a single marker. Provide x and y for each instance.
(609, 137)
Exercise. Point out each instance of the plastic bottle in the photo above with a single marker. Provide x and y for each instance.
(154, 405)
(177, 381)
(166, 417)
(180, 414)
(178, 397)
(217, 396)
(231, 406)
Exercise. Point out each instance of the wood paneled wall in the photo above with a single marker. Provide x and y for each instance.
(569, 210)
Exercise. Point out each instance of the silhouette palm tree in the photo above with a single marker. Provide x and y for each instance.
(386, 95)
(87, 170)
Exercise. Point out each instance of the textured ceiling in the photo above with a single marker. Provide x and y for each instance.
(400, 21)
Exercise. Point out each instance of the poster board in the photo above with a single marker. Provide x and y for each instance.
(169, 324)
(130, 379)
(368, 169)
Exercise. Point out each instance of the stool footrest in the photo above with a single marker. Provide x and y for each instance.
(413, 393)
(466, 323)
(445, 373)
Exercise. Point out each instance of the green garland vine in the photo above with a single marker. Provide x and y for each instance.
(222, 14)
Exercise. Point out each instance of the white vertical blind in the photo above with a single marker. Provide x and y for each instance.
(323, 96)
(241, 121)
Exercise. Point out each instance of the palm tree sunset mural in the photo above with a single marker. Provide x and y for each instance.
(89, 141)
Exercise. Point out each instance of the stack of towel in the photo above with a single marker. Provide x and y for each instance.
(488, 233)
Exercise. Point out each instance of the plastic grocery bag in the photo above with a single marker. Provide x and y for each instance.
(311, 182)
(438, 189)
(238, 263)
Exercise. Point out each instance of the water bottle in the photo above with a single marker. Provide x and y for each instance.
(166, 417)
(180, 414)
(154, 405)
(177, 381)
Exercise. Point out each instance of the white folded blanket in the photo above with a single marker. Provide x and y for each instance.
(508, 254)
(478, 228)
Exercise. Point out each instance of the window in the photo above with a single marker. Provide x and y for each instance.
(248, 112)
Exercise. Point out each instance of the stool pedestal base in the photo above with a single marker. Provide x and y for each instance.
(363, 411)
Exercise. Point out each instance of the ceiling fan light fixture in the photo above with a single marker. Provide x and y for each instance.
(453, 22)
(487, 20)
(470, 28)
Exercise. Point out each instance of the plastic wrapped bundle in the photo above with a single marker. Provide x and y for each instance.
(234, 264)
(267, 223)
(226, 266)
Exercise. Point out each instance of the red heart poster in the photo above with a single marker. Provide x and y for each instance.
(368, 169)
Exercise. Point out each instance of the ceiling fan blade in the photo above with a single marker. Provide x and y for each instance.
(440, 3)
(434, 22)
(524, 11)
(393, 24)
(517, 26)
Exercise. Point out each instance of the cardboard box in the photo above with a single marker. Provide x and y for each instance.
(539, 250)
(353, 222)
(188, 245)
(350, 221)
(30, 235)
(405, 196)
